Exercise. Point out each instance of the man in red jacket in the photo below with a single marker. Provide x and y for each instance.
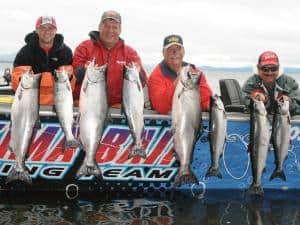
(106, 46)
(163, 79)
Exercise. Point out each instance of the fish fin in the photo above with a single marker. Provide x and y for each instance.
(88, 170)
(138, 86)
(137, 151)
(185, 177)
(38, 123)
(278, 173)
(264, 170)
(68, 87)
(84, 88)
(213, 172)
(256, 190)
(54, 109)
(15, 175)
(73, 143)
(20, 95)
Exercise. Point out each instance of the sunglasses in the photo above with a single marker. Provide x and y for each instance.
(269, 69)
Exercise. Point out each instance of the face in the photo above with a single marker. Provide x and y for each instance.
(110, 31)
(268, 74)
(173, 56)
(46, 34)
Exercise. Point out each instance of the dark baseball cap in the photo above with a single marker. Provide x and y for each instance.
(172, 39)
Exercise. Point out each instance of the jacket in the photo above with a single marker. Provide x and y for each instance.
(32, 56)
(288, 85)
(115, 58)
(161, 89)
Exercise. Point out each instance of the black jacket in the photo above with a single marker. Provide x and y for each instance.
(33, 55)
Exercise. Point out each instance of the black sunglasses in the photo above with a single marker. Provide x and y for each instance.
(269, 69)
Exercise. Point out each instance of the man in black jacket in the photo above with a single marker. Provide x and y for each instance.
(44, 52)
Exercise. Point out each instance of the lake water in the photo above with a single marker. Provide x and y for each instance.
(217, 208)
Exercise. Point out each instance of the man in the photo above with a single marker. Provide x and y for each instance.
(106, 47)
(163, 79)
(269, 85)
(44, 52)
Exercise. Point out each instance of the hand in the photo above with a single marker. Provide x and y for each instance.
(259, 95)
(282, 98)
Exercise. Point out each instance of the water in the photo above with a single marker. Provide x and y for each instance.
(215, 208)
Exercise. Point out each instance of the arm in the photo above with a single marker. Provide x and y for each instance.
(249, 86)
(294, 98)
(79, 60)
(161, 92)
(205, 93)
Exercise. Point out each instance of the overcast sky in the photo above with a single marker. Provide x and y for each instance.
(215, 32)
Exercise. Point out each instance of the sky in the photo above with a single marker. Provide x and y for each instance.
(220, 33)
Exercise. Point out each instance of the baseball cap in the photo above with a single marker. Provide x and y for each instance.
(172, 39)
(42, 20)
(111, 14)
(268, 58)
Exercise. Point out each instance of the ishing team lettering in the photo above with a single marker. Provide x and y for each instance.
(136, 174)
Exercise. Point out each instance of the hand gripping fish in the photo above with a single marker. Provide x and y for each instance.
(63, 100)
(217, 134)
(24, 116)
(133, 106)
(186, 122)
(259, 143)
(93, 109)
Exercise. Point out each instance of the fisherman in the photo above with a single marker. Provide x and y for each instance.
(164, 77)
(269, 85)
(106, 47)
(44, 52)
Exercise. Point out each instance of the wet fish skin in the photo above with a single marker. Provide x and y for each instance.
(281, 137)
(186, 122)
(259, 143)
(133, 106)
(93, 109)
(63, 100)
(217, 134)
(24, 116)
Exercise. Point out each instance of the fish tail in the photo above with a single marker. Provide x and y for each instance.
(256, 190)
(213, 172)
(17, 175)
(137, 151)
(278, 173)
(186, 177)
(88, 170)
(73, 143)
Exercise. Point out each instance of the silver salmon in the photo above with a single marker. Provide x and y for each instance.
(259, 143)
(24, 116)
(133, 106)
(281, 136)
(217, 134)
(186, 122)
(93, 109)
(63, 100)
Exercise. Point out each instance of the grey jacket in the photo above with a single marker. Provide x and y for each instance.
(284, 83)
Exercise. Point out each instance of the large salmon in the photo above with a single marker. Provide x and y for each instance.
(63, 100)
(93, 109)
(186, 122)
(133, 106)
(24, 117)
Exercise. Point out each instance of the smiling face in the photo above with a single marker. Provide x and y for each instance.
(268, 74)
(110, 31)
(46, 35)
(173, 56)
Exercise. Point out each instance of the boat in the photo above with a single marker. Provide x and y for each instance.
(52, 169)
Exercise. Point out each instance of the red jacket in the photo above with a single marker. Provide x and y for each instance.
(161, 89)
(115, 58)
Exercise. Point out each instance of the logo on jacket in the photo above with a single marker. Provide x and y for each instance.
(55, 59)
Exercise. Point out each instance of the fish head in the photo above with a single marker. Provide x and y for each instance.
(30, 80)
(131, 72)
(259, 107)
(283, 106)
(217, 101)
(190, 78)
(61, 75)
(95, 73)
